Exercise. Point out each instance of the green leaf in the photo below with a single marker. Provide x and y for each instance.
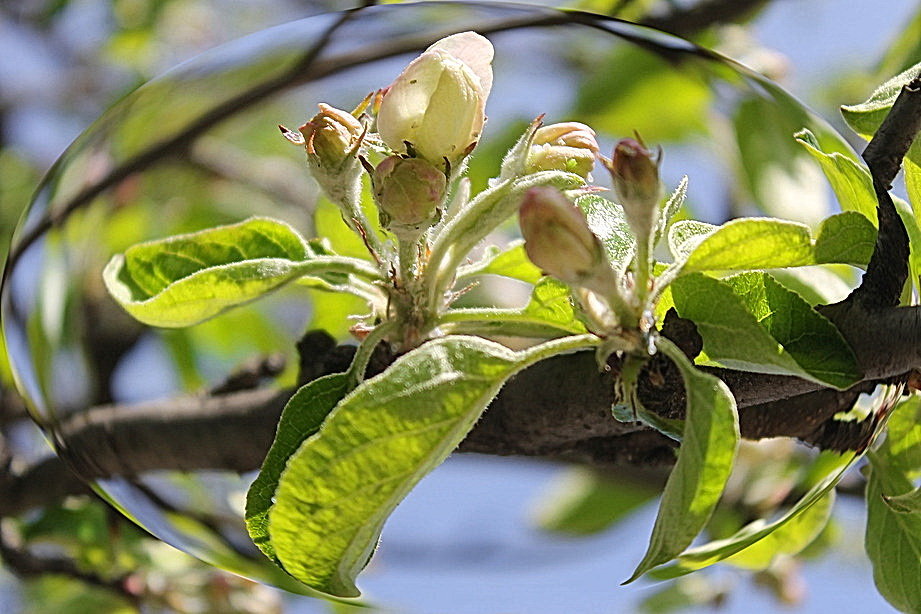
(549, 313)
(903, 437)
(685, 235)
(512, 262)
(301, 418)
(586, 501)
(671, 208)
(380, 440)
(893, 539)
(912, 165)
(767, 243)
(607, 220)
(778, 173)
(705, 459)
(865, 118)
(187, 279)
(716, 551)
(789, 539)
(751, 322)
(752, 243)
(849, 179)
(908, 503)
(845, 238)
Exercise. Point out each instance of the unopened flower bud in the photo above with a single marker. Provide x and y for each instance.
(635, 171)
(568, 146)
(408, 193)
(330, 136)
(437, 104)
(557, 237)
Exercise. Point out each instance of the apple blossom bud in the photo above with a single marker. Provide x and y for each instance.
(568, 146)
(557, 237)
(437, 104)
(330, 136)
(635, 172)
(408, 192)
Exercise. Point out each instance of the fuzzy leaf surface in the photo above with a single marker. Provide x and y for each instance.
(705, 459)
(380, 440)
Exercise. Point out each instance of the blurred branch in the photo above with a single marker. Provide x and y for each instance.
(687, 21)
(24, 564)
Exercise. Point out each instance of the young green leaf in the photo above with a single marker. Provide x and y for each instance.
(716, 551)
(845, 238)
(187, 279)
(685, 235)
(607, 220)
(752, 243)
(705, 459)
(300, 419)
(908, 503)
(850, 180)
(893, 539)
(671, 208)
(865, 118)
(751, 322)
(790, 539)
(512, 262)
(549, 313)
(903, 437)
(380, 440)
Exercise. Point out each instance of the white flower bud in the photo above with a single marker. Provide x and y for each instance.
(437, 104)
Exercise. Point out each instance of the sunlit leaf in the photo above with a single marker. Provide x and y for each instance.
(549, 313)
(751, 322)
(186, 279)
(512, 262)
(705, 459)
(607, 220)
(301, 418)
(380, 440)
(850, 180)
(893, 539)
(908, 503)
(716, 551)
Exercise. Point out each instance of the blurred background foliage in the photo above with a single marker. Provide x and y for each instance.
(63, 62)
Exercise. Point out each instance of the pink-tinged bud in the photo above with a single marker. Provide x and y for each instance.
(330, 137)
(437, 104)
(568, 146)
(557, 236)
(635, 172)
(408, 193)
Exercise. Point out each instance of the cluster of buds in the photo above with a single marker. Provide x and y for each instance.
(635, 173)
(431, 116)
(568, 146)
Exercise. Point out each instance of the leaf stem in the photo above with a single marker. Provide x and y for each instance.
(356, 372)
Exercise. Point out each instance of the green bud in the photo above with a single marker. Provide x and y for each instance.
(568, 146)
(558, 239)
(330, 137)
(635, 172)
(408, 193)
